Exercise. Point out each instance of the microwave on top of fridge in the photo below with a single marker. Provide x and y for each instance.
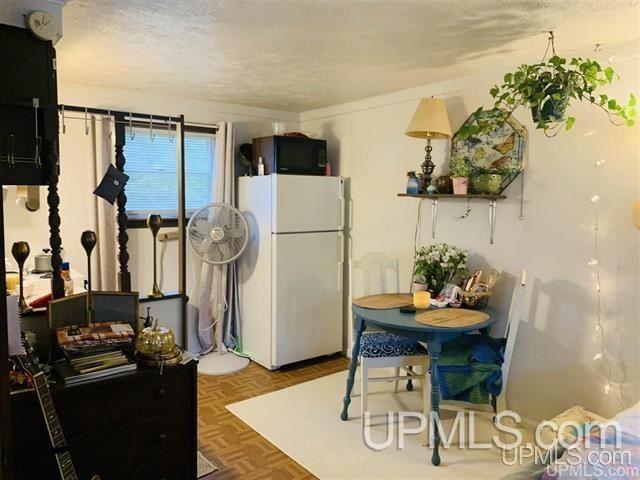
(290, 155)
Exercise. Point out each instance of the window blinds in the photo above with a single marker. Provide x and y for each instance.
(152, 166)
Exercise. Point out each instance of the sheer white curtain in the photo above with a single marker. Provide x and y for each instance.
(212, 286)
(104, 256)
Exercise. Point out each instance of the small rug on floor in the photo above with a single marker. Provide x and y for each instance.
(205, 467)
(303, 421)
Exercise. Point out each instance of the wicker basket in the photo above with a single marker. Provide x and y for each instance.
(477, 298)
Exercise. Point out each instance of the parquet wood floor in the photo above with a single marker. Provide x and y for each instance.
(238, 451)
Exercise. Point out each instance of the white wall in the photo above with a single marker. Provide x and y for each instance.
(553, 367)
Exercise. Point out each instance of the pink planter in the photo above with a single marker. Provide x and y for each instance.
(460, 185)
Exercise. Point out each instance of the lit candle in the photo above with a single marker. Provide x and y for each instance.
(421, 300)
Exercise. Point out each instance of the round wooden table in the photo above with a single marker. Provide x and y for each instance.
(394, 321)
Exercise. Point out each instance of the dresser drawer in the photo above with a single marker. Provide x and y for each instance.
(85, 408)
(167, 438)
(141, 423)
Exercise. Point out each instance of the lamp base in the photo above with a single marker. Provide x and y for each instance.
(427, 168)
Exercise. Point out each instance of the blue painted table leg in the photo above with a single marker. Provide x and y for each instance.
(353, 365)
(434, 355)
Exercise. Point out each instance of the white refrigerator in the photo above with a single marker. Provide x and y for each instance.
(290, 275)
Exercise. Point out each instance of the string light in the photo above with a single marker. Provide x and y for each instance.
(594, 262)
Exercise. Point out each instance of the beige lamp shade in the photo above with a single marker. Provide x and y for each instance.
(430, 120)
(636, 214)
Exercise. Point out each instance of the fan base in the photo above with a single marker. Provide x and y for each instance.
(221, 364)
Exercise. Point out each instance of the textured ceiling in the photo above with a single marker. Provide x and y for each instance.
(298, 55)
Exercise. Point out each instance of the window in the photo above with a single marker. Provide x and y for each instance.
(152, 166)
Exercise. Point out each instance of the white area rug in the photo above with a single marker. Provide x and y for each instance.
(303, 421)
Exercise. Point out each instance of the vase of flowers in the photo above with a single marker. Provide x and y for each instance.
(439, 264)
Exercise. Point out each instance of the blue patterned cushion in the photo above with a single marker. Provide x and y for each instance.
(382, 344)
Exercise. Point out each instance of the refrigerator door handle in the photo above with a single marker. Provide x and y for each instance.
(341, 261)
(342, 205)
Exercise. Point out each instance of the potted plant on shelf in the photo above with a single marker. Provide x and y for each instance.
(439, 264)
(489, 180)
(461, 169)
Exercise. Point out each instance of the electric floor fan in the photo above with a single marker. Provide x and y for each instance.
(218, 234)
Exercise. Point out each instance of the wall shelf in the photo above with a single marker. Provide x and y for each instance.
(470, 196)
(446, 196)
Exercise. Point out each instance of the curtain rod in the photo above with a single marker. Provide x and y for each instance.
(102, 111)
(35, 103)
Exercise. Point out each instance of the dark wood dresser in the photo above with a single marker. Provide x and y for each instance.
(140, 425)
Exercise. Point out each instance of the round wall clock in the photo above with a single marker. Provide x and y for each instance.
(43, 25)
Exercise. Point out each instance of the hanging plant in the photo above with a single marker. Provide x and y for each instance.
(548, 88)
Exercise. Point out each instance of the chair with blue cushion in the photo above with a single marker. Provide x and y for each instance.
(380, 349)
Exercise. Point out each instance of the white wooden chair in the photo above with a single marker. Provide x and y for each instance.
(510, 333)
(380, 349)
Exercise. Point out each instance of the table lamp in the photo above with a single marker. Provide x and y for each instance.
(430, 121)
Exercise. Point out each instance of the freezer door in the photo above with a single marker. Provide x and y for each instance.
(306, 296)
(305, 203)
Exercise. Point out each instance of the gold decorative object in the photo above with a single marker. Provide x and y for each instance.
(20, 251)
(155, 340)
(154, 222)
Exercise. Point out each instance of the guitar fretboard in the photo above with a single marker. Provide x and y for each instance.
(65, 464)
(49, 412)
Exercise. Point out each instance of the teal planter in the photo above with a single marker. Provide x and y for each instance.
(553, 110)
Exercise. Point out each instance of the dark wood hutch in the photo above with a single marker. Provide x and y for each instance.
(158, 411)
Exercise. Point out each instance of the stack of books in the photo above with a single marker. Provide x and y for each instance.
(90, 367)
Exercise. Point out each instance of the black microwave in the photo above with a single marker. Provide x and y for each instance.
(290, 155)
